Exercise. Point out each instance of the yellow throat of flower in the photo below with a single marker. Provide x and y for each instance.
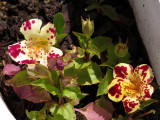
(37, 46)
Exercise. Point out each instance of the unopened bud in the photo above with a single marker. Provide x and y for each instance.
(87, 27)
(60, 64)
(121, 50)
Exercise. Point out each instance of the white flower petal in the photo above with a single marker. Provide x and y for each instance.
(49, 32)
(54, 53)
(31, 28)
(19, 51)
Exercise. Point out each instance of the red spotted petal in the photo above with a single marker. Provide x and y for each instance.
(146, 92)
(54, 53)
(123, 70)
(145, 73)
(38, 44)
(31, 28)
(115, 89)
(131, 104)
(49, 32)
(19, 52)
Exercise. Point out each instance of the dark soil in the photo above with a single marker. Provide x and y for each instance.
(15, 12)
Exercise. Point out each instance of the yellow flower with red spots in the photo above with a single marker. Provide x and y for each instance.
(131, 86)
(37, 46)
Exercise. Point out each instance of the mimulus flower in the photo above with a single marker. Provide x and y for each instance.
(37, 46)
(131, 87)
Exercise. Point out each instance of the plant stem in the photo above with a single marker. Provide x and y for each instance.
(151, 111)
(61, 99)
(87, 54)
(52, 81)
(131, 116)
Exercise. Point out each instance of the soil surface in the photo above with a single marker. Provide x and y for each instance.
(15, 12)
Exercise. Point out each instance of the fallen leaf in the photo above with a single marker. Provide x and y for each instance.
(11, 69)
(32, 93)
(94, 112)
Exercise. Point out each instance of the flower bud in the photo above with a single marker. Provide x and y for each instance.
(87, 27)
(121, 50)
(60, 64)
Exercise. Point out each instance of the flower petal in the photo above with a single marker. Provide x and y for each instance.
(145, 73)
(145, 92)
(123, 70)
(31, 28)
(131, 104)
(19, 51)
(115, 89)
(49, 32)
(54, 53)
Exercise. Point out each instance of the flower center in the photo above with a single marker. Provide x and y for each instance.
(132, 86)
(38, 46)
(38, 42)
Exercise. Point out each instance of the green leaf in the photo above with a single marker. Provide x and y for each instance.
(55, 76)
(102, 42)
(64, 112)
(103, 86)
(38, 71)
(73, 92)
(110, 12)
(125, 59)
(80, 63)
(61, 36)
(37, 115)
(81, 52)
(49, 117)
(20, 79)
(112, 58)
(69, 70)
(108, 64)
(47, 85)
(92, 49)
(147, 103)
(91, 7)
(58, 21)
(82, 39)
(90, 75)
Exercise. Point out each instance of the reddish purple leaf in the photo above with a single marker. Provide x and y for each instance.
(52, 63)
(94, 112)
(32, 93)
(106, 104)
(11, 69)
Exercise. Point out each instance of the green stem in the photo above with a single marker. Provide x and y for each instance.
(61, 99)
(87, 54)
(52, 81)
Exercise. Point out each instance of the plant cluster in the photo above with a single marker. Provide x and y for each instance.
(55, 78)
